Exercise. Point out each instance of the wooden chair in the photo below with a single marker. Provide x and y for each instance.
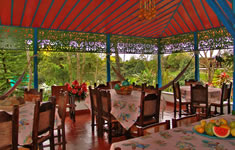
(150, 88)
(224, 100)
(179, 101)
(136, 87)
(191, 81)
(9, 125)
(33, 95)
(185, 121)
(95, 107)
(199, 100)
(102, 86)
(43, 124)
(56, 90)
(61, 105)
(149, 111)
(156, 127)
(114, 129)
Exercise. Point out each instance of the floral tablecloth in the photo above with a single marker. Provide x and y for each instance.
(26, 113)
(125, 108)
(214, 94)
(182, 138)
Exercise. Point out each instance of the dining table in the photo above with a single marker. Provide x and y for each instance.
(180, 138)
(26, 114)
(214, 94)
(125, 108)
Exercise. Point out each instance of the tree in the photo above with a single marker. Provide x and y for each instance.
(207, 61)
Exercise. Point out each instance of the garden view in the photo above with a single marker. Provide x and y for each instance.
(58, 68)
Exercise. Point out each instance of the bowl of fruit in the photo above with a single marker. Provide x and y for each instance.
(123, 89)
(216, 129)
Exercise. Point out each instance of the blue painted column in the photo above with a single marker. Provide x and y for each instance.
(197, 73)
(159, 67)
(159, 71)
(35, 48)
(108, 57)
(233, 111)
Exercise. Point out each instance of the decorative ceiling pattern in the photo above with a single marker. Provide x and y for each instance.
(82, 26)
(110, 16)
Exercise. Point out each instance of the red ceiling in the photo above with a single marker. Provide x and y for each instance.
(110, 16)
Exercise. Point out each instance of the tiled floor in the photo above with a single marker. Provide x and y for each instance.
(80, 137)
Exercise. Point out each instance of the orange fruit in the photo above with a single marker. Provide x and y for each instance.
(223, 121)
(203, 123)
(224, 126)
(199, 128)
(213, 121)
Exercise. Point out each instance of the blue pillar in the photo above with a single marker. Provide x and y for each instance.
(197, 74)
(233, 112)
(159, 67)
(108, 57)
(35, 48)
(159, 71)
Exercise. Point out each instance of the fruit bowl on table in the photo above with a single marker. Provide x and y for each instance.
(216, 129)
(124, 91)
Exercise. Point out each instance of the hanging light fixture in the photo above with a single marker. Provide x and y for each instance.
(147, 10)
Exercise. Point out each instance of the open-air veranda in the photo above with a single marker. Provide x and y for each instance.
(61, 27)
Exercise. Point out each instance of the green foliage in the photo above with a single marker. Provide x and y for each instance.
(221, 77)
(173, 64)
(12, 64)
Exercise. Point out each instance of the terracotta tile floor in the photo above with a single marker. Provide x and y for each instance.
(80, 137)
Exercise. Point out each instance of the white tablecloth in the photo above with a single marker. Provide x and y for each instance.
(214, 94)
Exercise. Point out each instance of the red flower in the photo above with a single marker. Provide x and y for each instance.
(75, 83)
(74, 91)
(80, 93)
(70, 88)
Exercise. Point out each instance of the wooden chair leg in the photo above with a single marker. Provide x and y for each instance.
(59, 135)
(92, 122)
(99, 124)
(215, 112)
(40, 147)
(229, 107)
(63, 138)
(52, 144)
(187, 108)
(140, 132)
(221, 110)
(34, 147)
(174, 109)
(180, 110)
(110, 132)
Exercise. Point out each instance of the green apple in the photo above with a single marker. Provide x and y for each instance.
(232, 124)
